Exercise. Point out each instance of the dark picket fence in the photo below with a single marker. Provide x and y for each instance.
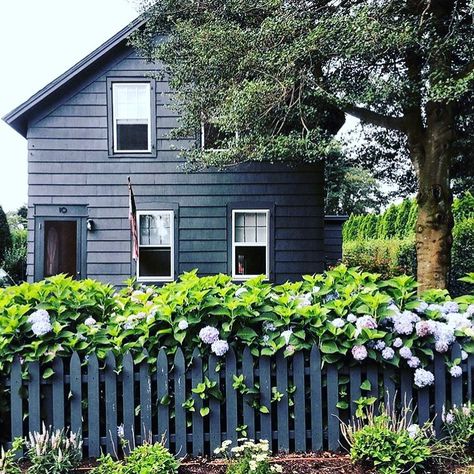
(93, 398)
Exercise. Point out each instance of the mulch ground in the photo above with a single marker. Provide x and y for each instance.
(321, 463)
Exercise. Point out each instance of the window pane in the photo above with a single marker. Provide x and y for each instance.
(250, 260)
(155, 229)
(251, 227)
(155, 262)
(261, 219)
(131, 101)
(239, 234)
(132, 136)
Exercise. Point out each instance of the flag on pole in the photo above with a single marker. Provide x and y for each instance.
(132, 217)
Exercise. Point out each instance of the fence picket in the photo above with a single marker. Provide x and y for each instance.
(406, 391)
(333, 411)
(110, 404)
(470, 367)
(215, 428)
(145, 401)
(16, 402)
(249, 380)
(58, 394)
(180, 397)
(317, 426)
(128, 401)
(389, 390)
(93, 407)
(34, 397)
(355, 380)
(231, 396)
(440, 391)
(162, 391)
(75, 389)
(456, 382)
(423, 405)
(198, 425)
(373, 378)
(283, 429)
(300, 402)
(265, 399)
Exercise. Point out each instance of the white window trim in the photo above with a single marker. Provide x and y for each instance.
(114, 120)
(171, 246)
(251, 244)
(203, 140)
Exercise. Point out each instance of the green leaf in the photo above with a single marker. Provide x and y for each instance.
(329, 347)
(247, 334)
(263, 409)
(366, 385)
(204, 411)
(49, 372)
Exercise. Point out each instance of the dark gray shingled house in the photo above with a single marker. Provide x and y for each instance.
(104, 120)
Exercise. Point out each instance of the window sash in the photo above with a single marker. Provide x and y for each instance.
(170, 246)
(266, 244)
(139, 115)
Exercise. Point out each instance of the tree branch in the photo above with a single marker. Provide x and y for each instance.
(374, 118)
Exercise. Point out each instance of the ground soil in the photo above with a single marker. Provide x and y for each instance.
(321, 463)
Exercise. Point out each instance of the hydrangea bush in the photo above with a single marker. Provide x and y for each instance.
(352, 316)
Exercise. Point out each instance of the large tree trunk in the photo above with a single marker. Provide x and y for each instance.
(435, 218)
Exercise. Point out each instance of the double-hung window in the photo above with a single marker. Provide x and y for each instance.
(156, 245)
(131, 111)
(250, 243)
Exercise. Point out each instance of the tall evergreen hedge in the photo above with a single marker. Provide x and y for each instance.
(5, 235)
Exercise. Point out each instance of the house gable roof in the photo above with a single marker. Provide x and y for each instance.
(18, 117)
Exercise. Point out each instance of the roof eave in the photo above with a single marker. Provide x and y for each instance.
(18, 118)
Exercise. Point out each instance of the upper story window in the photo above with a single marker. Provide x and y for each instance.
(131, 109)
(213, 139)
(250, 243)
(156, 245)
(131, 117)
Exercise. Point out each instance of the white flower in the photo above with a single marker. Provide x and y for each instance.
(183, 325)
(120, 431)
(209, 334)
(90, 321)
(423, 378)
(413, 362)
(39, 316)
(456, 371)
(219, 347)
(367, 322)
(286, 335)
(351, 318)
(413, 430)
(268, 326)
(397, 342)
(338, 322)
(405, 352)
(359, 352)
(41, 328)
(464, 355)
(388, 353)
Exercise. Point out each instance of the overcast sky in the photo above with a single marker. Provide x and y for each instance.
(39, 40)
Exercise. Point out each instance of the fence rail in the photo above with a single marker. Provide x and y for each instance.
(296, 403)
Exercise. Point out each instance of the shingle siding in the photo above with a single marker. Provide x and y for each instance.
(69, 164)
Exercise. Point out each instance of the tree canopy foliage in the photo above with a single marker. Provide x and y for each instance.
(282, 73)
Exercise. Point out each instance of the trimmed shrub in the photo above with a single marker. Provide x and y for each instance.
(401, 222)
(15, 256)
(151, 459)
